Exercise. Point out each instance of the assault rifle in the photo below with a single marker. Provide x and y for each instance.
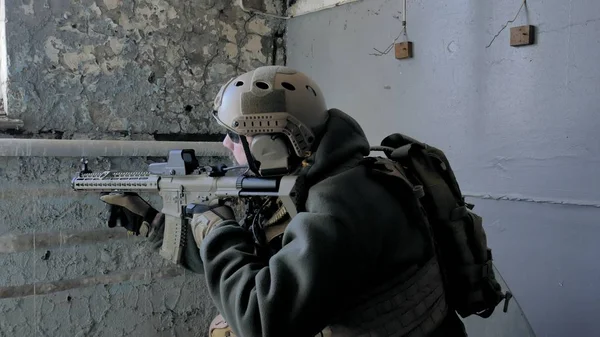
(186, 188)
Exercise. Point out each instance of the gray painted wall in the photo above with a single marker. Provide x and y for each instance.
(99, 69)
(520, 125)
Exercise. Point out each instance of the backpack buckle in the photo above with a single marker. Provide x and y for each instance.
(458, 213)
(486, 269)
(507, 296)
(401, 152)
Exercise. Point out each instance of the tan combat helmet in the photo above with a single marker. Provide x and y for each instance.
(268, 101)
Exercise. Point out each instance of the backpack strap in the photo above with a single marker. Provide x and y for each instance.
(390, 168)
(396, 179)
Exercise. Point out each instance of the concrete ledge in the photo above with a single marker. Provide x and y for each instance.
(43, 288)
(13, 243)
(103, 148)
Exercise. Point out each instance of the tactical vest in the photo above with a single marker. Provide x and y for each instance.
(412, 304)
(407, 307)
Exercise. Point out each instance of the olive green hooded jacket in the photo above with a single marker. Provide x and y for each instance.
(352, 235)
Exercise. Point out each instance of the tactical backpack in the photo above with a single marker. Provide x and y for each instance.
(458, 235)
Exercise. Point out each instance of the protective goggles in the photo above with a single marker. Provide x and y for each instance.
(233, 136)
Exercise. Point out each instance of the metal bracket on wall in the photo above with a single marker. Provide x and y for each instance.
(5, 122)
(252, 10)
(297, 7)
(302, 7)
(9, 123)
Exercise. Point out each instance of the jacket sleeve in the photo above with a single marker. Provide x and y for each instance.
(324, 258)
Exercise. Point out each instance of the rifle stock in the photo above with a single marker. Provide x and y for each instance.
(181, 182)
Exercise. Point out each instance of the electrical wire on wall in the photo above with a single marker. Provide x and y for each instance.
(402, 32)
(524, 4)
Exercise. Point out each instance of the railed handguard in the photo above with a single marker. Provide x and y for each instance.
(181, 182)
(109, 181)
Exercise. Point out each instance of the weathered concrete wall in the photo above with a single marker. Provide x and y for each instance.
(520, 126)
(109, 69)
(94, 280)
(139, 66)
(3, 55)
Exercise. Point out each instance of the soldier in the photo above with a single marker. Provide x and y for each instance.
(350, 263)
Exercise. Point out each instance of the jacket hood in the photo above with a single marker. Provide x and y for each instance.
(342, 144)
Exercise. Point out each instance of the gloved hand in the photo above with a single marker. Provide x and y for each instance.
(130, 211)
(202, 223)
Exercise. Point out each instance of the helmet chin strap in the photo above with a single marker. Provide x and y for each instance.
(252, 164)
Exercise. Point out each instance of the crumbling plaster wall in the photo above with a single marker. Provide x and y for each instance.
(3, 58)
(64, 273)
(112, 69)
(140, 66)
